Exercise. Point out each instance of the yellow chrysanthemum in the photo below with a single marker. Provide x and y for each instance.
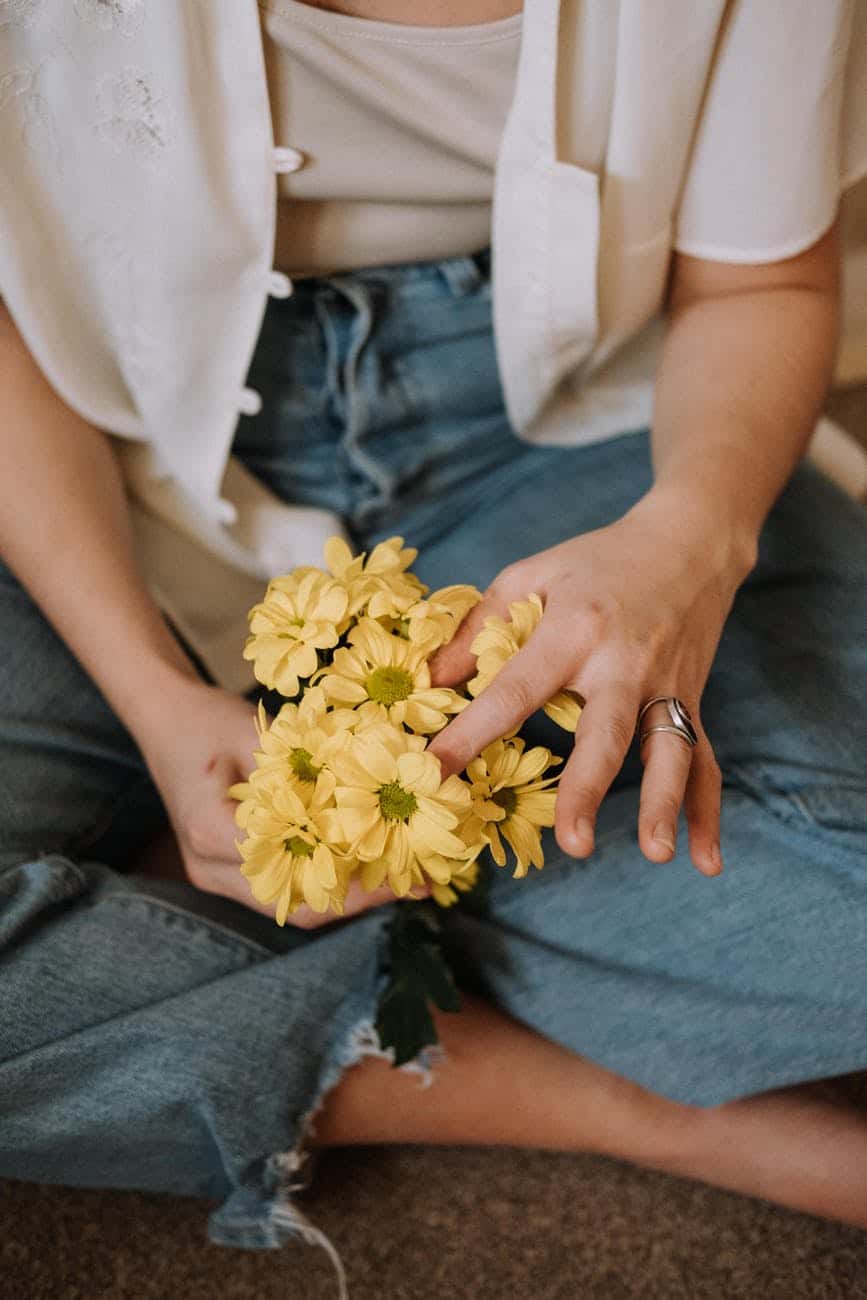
(432, 622)
(292, 853)
(511, 799)
(378, 585)
(392, 673)
(461, 882)
(297, 618)
(498, 641)
(398, 816)
(298, 741)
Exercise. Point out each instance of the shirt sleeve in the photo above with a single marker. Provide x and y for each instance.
(782, 131)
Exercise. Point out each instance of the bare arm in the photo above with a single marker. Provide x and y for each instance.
(65, 532)
(746, 365)
(636, 609)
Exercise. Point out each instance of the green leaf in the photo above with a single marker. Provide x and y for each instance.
(404, 1023)
(434, 975)
(419, 975)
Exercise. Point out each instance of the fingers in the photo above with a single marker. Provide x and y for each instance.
(522, 686)
(211, 830)
(677, 775)
(453, 663)
(667, 761)
(602, 739)
(703, 802)
(210, 835)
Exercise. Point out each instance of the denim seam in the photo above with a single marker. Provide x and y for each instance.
(220, 934)
(58, 893)
(196, 922)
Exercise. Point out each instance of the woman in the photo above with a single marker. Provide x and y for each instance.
(160, 1034)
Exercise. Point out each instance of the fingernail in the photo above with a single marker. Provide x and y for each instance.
(584, 833)
(663, 835)
(716, 856)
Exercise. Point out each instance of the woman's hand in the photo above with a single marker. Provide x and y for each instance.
(632, 611)
(199, 741)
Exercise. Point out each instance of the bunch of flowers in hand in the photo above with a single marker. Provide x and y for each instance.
(344, 787)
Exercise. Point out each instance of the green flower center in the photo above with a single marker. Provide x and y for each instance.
(301, 762)
(505, 799)
(291, 636)
(298, 847)
(395, 803)
(388, 685)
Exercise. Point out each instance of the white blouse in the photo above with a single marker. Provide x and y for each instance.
(138, 198)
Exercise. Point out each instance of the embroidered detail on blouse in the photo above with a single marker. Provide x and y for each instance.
(17, 82)
(35, 118)
(122, 16)
(131, 118)
(119, 279)
(20, 12)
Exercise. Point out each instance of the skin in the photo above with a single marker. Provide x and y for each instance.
(437, 13)
(745, 367)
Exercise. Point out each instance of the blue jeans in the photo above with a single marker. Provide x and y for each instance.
(155, 1037)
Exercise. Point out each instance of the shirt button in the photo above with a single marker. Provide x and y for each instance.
(279, 285)
(250, 402)
(287, 159)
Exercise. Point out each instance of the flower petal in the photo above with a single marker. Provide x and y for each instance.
(564, 709)
(427, 837)
(525, 841)
(376, 760)
(531, 765)
(342, 690)
(420, 773)
(537, 807)
(372, 874)
(338, 556)
(373, 843)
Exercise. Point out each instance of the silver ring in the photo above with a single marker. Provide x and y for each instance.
(681, 720)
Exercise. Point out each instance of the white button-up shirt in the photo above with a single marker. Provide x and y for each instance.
(137, 215)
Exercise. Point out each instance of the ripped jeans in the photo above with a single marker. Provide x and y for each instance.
(155, 1037)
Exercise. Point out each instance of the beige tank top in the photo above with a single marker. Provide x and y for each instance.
(397, 129)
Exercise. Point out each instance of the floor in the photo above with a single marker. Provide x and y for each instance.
(445, 1224)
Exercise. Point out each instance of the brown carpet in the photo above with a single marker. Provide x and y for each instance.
(448, 1224)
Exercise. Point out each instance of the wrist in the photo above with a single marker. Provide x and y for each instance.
(717, 534)
(164, 685)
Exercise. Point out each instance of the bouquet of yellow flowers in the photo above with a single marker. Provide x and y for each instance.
(344, 787)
